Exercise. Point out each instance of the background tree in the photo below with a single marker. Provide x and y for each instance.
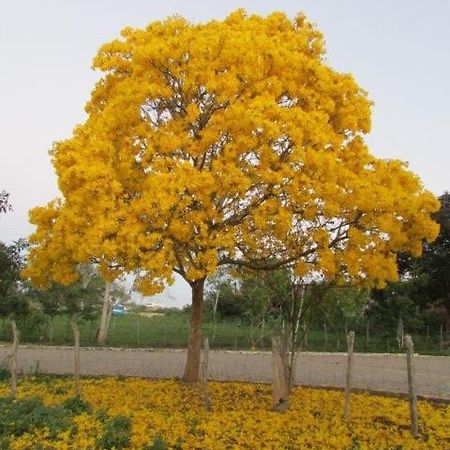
(51, 303)
(113, 293)
(81, 301)
(225, 143)
(5, 206)
(342, 309)
(13, 304)
(427, 278)
(12, 301)
(435, 262)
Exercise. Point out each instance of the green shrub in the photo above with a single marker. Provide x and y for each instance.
(77, 406)
(158, 444)
(21, 416)
(117, 433)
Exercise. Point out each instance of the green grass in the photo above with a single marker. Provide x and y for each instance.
(171, 330)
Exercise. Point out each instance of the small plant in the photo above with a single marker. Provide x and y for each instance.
(158, 444)
(102, 415)
(117, 433)
(77, 406)
(356, 444)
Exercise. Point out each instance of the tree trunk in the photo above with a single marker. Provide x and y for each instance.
(13, 360)
(280, 389)
(191, 371)
(76, 335)
(103, 330)
(110, 310)
(348, 376)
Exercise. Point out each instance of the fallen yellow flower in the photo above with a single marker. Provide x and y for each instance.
(241, 417)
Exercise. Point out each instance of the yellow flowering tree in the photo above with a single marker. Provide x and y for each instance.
(225, 143)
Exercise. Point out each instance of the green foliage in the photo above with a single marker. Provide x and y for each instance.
(4, 370)
(77, 406)
(249, 298)
(12, 300)
(435, 263)
(5, 206)
(14, 304)
(21, 416)
(51, 301)
(356, 444)
(422, 297)
(81, 299)
(117, 433)
(32, 326)
(158, 444)
(172, 331)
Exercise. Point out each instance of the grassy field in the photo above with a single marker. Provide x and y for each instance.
(171, 330)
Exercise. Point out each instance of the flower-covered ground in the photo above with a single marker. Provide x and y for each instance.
(145, 414)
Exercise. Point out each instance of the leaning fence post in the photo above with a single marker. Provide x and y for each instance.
(204, 374)
(348, 378)
(411, 385)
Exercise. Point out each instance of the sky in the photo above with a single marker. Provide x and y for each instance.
(397, 50)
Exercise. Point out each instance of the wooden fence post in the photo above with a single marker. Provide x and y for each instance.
(280, 391)
(204, 374)
(13, 358)
(441, 337)
(411, 385)
(348, 378)
(76, 335)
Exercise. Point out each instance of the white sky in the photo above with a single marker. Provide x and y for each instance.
(398, 51)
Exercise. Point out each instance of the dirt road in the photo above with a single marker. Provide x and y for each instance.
(375, 371)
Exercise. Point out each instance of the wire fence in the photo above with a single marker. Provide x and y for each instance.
(171, 330)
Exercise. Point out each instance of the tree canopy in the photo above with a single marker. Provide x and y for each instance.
(228, 142)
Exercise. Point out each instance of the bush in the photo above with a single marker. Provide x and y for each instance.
(117, 433)
(77, 406)
(32, 327)
(22, 416)
(158, 444)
